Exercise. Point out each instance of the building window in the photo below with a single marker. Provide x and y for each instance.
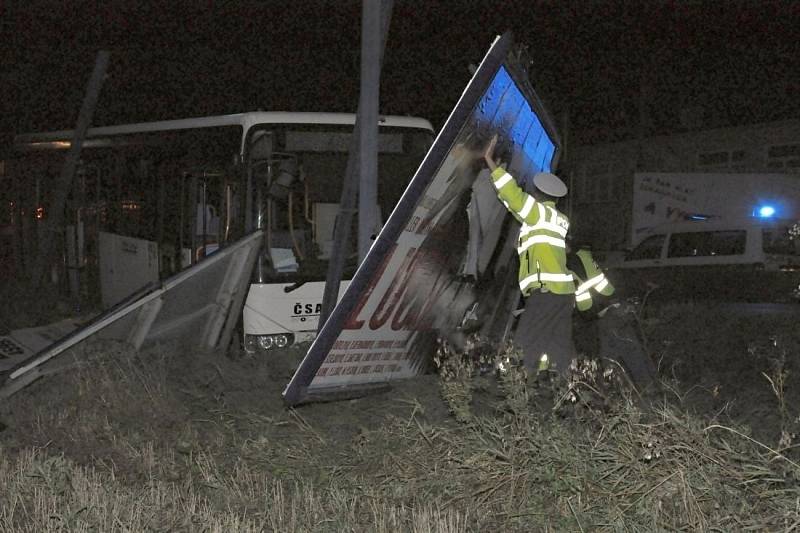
(783, 156)
(598, 187)
(784, 150)
(713, 159)
(580, 187)
(597, 168)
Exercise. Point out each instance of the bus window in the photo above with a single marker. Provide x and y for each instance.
(298, 171)
(191, 185)
(151, 185)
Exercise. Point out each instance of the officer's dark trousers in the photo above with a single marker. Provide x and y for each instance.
(545, 327)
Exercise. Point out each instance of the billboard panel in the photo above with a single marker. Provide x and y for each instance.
(445, 262)
(198, 306)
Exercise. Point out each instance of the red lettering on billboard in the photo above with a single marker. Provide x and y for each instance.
(419, 306)
(441, 284)
(353, 321)
(395, 291)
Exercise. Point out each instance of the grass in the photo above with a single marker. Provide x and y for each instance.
(51, 493)
(196, 442)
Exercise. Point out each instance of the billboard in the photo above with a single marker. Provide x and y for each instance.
(445, 263)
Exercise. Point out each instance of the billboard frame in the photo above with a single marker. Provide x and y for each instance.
(501, 50)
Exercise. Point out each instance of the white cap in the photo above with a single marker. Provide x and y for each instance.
(550, 184)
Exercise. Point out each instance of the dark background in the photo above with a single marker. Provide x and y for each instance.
(617, 69)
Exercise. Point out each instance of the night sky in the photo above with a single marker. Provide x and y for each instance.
(723, 62)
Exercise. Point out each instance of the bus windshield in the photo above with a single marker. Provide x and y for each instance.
(298, 173)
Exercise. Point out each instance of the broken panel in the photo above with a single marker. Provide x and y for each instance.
(444, 265)
(198, 307)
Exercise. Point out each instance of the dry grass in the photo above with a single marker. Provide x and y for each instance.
(170, 441)
(44, 493)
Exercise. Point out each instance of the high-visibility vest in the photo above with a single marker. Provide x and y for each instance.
(541, 246)
(591, 279)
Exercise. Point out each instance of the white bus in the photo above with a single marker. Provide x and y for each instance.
(149, 199)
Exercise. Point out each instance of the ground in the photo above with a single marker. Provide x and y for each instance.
(187, 441)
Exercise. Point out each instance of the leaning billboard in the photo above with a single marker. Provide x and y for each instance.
(444, 264)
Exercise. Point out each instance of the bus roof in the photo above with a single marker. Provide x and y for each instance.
(246, 120)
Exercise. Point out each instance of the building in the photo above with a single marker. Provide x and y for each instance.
(601, 175)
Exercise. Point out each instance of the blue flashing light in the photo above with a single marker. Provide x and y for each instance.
(765, 211)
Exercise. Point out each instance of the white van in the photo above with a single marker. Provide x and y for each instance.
(750, 259)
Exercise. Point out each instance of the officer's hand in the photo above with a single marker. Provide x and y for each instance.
(488, 154)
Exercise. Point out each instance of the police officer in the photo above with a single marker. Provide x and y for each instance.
(606, 329)
(592, 290)
(544, 330)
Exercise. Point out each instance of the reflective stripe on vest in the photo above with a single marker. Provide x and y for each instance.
(582, 296)
(602, 285)
(502, 181)
(597, 282)
(544, 276)
(540, 239)
(543, 223)
(526, 209)
(588, 284)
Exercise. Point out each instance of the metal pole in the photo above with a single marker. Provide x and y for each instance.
(569, 166)
(368, 127)
(347, 203)
(62, 186)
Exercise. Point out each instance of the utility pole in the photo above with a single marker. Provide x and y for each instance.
(61, 188)
(366, 121)
(371, 51)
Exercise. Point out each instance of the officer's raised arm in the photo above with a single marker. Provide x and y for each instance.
(514, 197)
(488, 154)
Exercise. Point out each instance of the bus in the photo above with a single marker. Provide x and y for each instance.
(150, 199)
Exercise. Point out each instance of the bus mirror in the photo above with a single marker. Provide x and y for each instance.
(279, 188)
(261, 146)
